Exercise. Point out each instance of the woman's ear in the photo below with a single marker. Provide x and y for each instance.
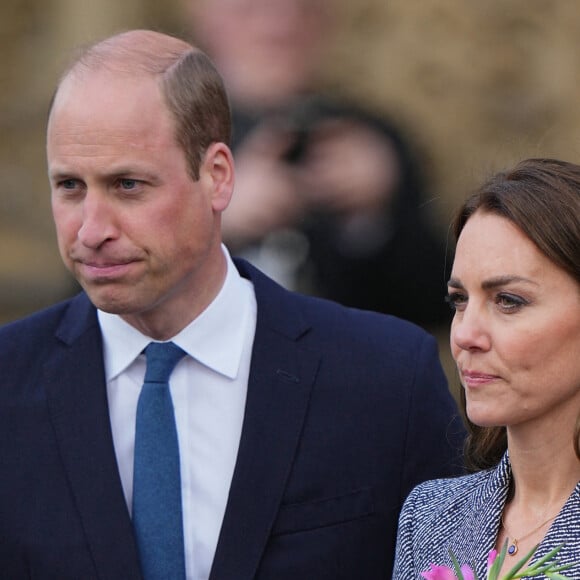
(218, 169)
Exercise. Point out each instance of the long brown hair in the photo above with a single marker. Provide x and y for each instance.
(542, 198)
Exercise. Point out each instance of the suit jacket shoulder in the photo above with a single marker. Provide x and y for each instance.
(27, 344)
(63, 510)
(65, 320)
(331, 321)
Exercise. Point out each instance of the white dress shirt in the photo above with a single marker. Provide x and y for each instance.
(208, 388)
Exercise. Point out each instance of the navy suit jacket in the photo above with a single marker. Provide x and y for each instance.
(346, 411)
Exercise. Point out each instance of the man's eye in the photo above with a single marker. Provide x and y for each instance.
(68, 183)
(128, 183)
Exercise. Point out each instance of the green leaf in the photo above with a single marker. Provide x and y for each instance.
(456, 566)
(549, 556)
(512, 573)
(498, 563)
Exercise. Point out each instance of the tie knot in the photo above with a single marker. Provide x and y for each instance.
(161, 360)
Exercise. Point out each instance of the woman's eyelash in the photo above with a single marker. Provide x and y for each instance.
(454, 299)
(510, 301)
(506, 301)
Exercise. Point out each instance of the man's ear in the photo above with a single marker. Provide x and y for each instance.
(218, 169)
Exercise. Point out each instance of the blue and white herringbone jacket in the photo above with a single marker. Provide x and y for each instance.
(464, 514)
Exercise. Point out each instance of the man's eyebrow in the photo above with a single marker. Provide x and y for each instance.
(59, 174)
(126, 169)
(113, 173)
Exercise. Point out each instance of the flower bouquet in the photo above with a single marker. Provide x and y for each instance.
(547, 566)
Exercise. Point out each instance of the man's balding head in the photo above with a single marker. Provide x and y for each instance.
(190, 84)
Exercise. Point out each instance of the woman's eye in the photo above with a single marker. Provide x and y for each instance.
(510, 302)
(456, 300)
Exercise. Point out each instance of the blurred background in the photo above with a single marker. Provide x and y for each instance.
(471, 86)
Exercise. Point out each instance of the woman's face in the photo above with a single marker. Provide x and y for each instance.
(515, 335)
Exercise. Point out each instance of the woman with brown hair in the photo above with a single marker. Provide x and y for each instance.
(515, 338)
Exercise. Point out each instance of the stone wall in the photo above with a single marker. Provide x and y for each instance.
(478, 84)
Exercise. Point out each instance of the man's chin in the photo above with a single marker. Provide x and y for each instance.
(111, 302)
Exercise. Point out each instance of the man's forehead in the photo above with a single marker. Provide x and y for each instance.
(81, 76)
(102, 85)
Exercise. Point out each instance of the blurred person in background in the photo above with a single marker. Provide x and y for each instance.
(330, 198)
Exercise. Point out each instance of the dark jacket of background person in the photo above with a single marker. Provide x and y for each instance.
(392, 261)
(329, 196)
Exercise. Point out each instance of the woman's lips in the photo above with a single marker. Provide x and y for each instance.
(477, 378)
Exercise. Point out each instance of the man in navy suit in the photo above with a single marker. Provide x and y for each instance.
(302, 425)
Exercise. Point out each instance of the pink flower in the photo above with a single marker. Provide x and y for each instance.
(546, 566)
(439, 573)
(491, 559)
(445, 573)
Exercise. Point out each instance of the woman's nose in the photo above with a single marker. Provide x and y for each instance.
(470, 329)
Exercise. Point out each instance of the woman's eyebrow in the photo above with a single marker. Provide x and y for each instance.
(494, 282)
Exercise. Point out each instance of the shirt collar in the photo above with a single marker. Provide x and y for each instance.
(215, 338)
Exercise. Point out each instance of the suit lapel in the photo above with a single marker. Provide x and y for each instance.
(78, 408)
(281, 378)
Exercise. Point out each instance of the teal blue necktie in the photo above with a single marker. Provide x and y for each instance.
(157, 515)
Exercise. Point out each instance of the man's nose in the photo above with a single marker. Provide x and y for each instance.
(98, 223)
